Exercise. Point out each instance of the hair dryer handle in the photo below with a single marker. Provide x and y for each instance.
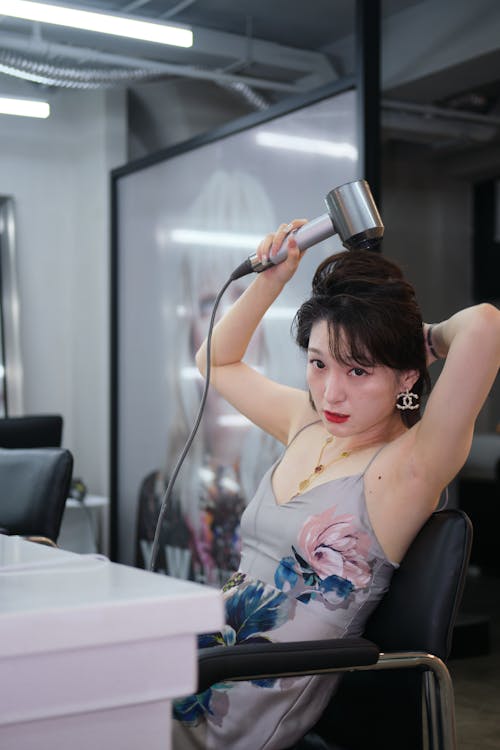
(310, 234)
(314, 231)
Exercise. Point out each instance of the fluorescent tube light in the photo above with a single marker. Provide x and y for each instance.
(24, 107)
(215, 239)
(104, 23)
(337, 149)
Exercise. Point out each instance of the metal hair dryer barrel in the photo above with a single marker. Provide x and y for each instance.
(354, 215)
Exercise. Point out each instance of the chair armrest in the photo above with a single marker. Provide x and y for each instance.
(264, 660)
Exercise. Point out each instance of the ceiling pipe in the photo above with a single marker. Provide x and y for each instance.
(49, 51)
(48, 74)
(431, 111)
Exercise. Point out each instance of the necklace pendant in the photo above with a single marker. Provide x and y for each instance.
(320, 468)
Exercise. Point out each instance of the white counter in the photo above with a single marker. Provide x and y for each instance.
(91, 652)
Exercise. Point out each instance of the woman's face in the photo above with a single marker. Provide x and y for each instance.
(352, 399)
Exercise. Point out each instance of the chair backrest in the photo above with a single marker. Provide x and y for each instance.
(417, 614)
(34, 431)
(34, 485)
(419, 611)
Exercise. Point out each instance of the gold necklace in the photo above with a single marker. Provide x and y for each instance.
(320, 468)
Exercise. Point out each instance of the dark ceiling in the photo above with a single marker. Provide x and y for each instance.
(440, 58)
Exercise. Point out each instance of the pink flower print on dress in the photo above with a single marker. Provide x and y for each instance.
(335, 546)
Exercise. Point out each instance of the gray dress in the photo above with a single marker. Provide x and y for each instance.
(310, 569)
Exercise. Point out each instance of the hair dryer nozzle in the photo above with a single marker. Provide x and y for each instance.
(355, 216)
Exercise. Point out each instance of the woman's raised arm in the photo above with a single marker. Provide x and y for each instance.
(470, 342)
(268, 404)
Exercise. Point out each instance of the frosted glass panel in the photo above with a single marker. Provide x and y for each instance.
(183, 224)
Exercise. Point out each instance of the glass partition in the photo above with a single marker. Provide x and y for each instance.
(182, 222)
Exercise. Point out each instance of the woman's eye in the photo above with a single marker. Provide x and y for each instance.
(358, 371)
(317, 363)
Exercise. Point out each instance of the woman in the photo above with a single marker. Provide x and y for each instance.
(360, 474)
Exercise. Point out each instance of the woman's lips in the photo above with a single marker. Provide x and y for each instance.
(332, 416)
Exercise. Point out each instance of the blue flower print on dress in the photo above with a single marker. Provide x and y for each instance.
(286, 576)
(252, 609)
(211, 704)
(333, 563)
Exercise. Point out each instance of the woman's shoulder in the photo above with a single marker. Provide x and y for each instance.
(396, 453)
(304, 417)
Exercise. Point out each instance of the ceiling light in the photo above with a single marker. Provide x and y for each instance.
(24, 107)
(337, 149)
(103, 23)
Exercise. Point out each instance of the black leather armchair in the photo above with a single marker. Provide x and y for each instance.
(31, 431)
(395, 669)
(34, 485)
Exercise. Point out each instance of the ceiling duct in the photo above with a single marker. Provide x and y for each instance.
(62, 76)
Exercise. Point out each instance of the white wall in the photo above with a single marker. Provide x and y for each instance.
(57, 171)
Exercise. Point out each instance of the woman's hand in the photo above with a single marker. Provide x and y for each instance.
(270, 245)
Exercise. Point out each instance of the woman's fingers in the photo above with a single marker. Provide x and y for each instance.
(273, 241)
(279, 237)
(283, 231)
(264, 248)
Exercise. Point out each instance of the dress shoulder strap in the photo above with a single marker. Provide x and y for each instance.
(310, 424)
(372, 459)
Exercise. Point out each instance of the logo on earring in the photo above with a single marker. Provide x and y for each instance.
(407, 400)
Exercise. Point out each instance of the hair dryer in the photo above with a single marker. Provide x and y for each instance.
(352, 214)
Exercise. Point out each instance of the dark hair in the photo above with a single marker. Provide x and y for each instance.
(372, 315)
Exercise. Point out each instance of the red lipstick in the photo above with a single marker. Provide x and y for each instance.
(335, 417)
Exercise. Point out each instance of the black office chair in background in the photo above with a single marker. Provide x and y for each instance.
(34, 485)
(31, 431)
(398, 692)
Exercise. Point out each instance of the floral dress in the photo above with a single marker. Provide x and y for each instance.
(310, 569)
